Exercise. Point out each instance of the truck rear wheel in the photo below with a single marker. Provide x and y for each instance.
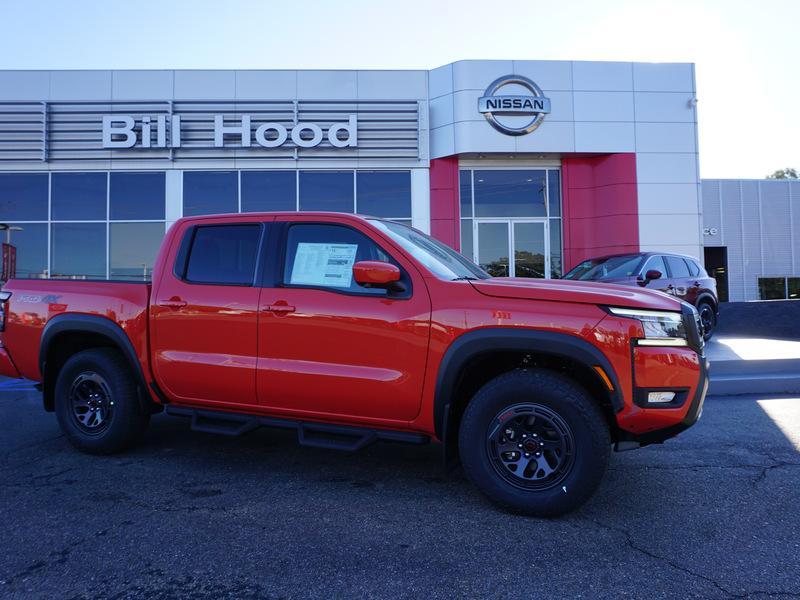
(534, 442)
(97, 403)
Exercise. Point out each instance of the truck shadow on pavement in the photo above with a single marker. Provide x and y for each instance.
(712, 513)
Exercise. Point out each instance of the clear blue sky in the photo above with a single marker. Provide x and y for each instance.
(746, 52)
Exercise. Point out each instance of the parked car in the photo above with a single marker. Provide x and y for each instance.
(351, 330)
(682, 276)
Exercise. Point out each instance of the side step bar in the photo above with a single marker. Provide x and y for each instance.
(317, 435)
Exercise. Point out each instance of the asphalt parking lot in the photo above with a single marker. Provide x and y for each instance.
(714, 513)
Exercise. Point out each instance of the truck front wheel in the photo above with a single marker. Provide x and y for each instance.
(534, 442)
(97, 403)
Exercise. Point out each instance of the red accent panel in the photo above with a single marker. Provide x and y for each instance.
(444, 201)
(600, 206)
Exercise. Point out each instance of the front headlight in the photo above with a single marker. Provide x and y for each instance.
(661, 328)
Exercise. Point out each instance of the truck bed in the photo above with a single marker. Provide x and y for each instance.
(35, 302)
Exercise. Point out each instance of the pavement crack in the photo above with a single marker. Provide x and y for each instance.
(663, 559)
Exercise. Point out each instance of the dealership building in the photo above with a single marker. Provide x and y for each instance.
(527, 167)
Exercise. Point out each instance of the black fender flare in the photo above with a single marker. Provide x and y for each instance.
(499, 339)
(102, 326)
(707, 297)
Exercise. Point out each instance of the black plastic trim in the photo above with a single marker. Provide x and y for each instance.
(309, 433)
(496, 339)
(640, 397)
(80, 323)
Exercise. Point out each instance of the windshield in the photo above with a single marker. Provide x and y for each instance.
(611, 267)
(441, 260)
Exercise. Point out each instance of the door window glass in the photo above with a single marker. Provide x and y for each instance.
(694, 268)
(224, 254)
(493, 248)
(529, 250)
(656, 263)
(322, 256)
(677, 267)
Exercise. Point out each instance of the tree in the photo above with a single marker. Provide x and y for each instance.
(787, 173)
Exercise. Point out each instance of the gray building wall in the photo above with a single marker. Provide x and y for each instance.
(758, 221)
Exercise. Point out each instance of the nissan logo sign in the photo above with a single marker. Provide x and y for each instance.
(491, 104)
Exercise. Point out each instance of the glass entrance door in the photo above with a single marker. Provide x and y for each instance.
(513, 247)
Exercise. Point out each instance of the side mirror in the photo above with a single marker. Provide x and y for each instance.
(652, 274)
(377, 274)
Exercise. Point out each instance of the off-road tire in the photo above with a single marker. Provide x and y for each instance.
(126, 421)
(573, 407)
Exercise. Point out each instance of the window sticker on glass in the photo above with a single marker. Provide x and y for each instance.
(324, 264)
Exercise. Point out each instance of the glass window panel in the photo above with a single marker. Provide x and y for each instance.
(265, 191)
(224, 254)
(133, 249)
(677, 267)
(210, 192)
(384, 193)
(493, 248)
(465, 192)
(554, 188)
(466, 238)
(324, 255)
(23, 196)
(556, 265)
(31, 245)
(529, 250)
(326, 191)
(79, 196)
(135, 196)
(656, 263)
(794, 288)
(772, 288)
(78, 250)
(518, 193)
(694, 268)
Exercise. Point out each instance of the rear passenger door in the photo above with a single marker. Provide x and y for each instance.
(204, 314)
(679, 276)
(656, 263)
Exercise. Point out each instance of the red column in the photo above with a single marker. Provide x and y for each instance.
(600, 206)
(445, 207)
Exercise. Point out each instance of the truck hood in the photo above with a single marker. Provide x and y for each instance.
(586, 292)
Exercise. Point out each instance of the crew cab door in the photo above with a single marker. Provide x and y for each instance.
(204, 313)
(326, 345)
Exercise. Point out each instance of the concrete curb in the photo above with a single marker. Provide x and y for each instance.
(737, 377)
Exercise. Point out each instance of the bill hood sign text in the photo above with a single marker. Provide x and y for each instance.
(123, 131)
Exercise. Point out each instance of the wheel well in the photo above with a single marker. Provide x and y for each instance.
(60, 349)
(481, 369)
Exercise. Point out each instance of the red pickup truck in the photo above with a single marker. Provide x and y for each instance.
(349, 330)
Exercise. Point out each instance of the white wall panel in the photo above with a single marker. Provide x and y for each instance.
(398, 85)
(658, 167)
(603, 106)
(604, 137)
(80, 85)
(602, 76)
(141, 85)
(25, 85)
(205, 85)
(548, 74)
(327, 85)
(441, 111)
(665, 137)
(688, 249)
(551, 136)
(477, 136)
(266, 85)
(663, 77)
(667, 198)
(442, 141)
(440, 81)
(477, 74)
(670, 229)
(672, 107)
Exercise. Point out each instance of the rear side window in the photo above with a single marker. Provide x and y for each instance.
(677, 267)
(322, 256)
(223, 254)
(694, 268)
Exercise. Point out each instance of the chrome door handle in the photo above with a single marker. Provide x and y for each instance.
(173, 303)
(280, 308)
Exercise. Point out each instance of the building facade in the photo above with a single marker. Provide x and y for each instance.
(527, 167)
